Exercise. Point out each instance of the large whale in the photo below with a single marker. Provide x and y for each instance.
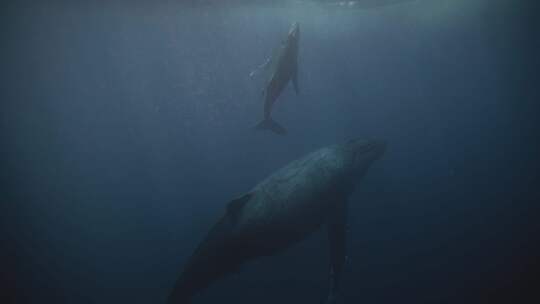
(284, 68)
(279, 212)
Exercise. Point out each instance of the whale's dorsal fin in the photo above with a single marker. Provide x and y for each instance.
(234, 206)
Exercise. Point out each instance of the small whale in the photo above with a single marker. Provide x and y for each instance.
(281, 211)
(284, 68)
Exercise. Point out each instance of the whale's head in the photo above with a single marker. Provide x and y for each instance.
(294, 32)
(362, 153)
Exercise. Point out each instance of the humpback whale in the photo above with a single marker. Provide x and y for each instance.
(280, 211)
(284, 68)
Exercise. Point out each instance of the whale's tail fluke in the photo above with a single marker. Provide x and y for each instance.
(272, 125)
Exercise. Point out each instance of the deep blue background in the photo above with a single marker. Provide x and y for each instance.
(126, 127)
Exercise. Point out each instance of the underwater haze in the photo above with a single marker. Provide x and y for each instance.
(127, 126)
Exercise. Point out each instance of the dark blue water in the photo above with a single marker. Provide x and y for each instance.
(126, 128)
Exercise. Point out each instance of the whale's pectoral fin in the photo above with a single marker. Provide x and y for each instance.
(234, 206)
(337, 226)
(263, 66)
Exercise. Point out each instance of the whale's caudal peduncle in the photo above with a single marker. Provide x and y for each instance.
(280, 211)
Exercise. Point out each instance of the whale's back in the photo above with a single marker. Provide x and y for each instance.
(296, 197)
